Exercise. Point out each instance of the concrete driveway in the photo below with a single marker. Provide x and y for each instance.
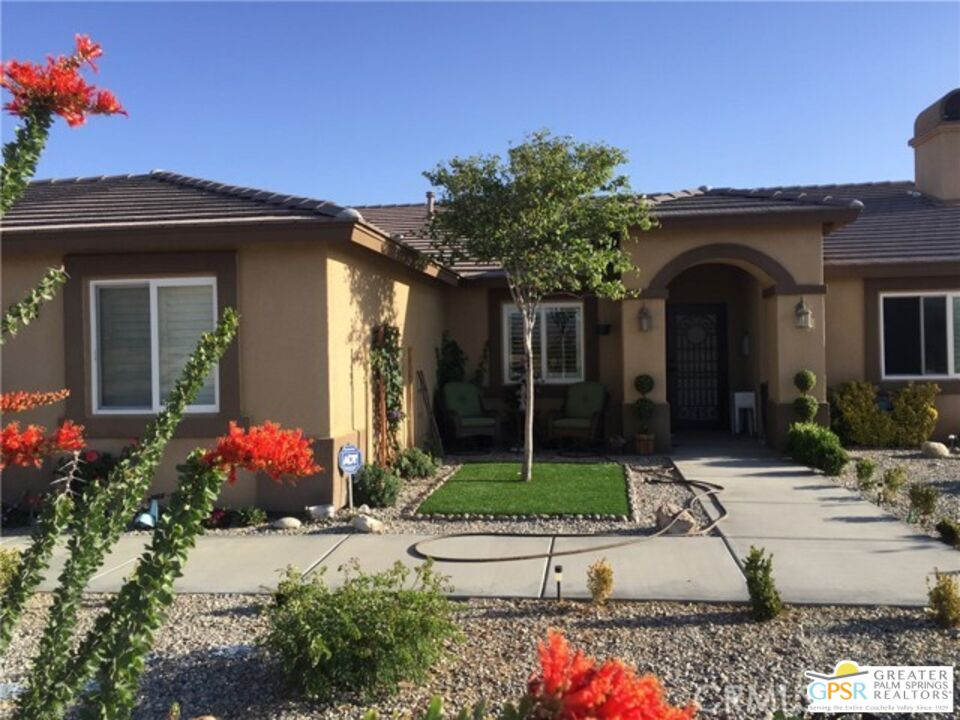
(829, 545)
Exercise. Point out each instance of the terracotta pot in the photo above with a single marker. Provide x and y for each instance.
(646, 443)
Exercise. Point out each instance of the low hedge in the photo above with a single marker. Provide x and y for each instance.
(817, 446)
(859, 419)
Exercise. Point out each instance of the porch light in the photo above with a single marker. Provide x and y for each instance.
(804, 316)
(645, 319)
(558, 576)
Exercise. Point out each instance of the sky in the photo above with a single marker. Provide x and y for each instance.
(352, 102)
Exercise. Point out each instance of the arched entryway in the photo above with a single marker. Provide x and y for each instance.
(714, 347)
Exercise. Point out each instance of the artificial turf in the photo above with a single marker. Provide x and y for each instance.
(556, 489)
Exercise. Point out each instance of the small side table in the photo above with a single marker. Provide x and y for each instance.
(744, 412)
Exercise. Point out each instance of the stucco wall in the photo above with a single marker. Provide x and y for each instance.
(844, 325)
(365, 290)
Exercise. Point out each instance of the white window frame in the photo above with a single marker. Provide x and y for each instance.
(153, 283)
(508, 308)
(952, 373)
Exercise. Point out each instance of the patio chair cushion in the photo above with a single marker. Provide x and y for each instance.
(584, 399)
(572, 423)
(463, 399)
(477, 422)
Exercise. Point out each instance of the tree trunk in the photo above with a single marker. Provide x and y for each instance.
(528, 323)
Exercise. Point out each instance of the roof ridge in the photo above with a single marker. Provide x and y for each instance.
(89, 178)
(295, 202)
(796, 193)
(389, 205)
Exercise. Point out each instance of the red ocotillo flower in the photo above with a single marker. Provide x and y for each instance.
(20, 401)
(267, 448)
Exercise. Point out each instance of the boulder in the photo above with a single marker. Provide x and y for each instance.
(320, 512)
(285, 523)
(934, 450)
(363, 509)
(685, 524)
(367, 524)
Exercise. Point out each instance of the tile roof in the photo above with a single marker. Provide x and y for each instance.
(158, 197)
(896, 224)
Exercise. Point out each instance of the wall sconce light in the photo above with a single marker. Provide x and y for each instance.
(745, 344)
(645, 319)
(803, 315)
(558, 576)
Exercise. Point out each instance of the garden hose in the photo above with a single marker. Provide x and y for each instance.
(702, 491)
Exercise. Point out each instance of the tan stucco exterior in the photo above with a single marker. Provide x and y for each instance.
(937, 162)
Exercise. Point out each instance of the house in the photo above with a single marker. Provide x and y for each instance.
(736, 292)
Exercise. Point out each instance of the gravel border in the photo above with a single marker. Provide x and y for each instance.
(645, 497)
(943, 473)
(206, 658)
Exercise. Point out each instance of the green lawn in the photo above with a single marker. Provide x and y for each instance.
(556, 489)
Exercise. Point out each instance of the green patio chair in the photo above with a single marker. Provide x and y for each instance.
(581, 417)
(465, 414)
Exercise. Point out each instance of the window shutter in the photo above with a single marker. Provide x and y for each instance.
(184, 312)
(515, 346)
(124, 347)
(563, 328)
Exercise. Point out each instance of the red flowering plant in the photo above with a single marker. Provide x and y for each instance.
(37, 93)
(573, 686)
(264, 448)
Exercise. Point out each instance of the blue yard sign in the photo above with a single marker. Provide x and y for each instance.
(349, 459)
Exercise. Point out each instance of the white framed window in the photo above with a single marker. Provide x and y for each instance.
(557, 343)
(142, 334)
(920, 335)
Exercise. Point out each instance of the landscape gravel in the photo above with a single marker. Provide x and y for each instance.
(943, 474)
(206, 656)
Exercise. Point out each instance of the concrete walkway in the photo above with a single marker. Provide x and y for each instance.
(829, 546)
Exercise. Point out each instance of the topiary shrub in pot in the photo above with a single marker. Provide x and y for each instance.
(644, 409)
(375, 486)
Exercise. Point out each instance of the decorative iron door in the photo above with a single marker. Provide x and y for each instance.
(697, 367)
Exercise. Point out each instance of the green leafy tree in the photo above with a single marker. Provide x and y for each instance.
(554, 214)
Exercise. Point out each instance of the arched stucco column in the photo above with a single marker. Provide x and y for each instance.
(646, 353)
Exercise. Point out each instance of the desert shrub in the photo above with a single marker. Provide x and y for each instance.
(804, 381)
(415, 463)
(945, 601)
(816, 446)
(375, 486)
(218, 518)
(764, 598)
(805, 408)
(865, 470)
(368, 635)
(248, 516)
(923, 498)
(914, 414)
(949, 531)
(9, 565)
(895, 478)
(859, 419)
(600, 581)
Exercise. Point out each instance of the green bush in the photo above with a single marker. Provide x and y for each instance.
(914, 413)
(805, 408)
(859, 419)
(945, 601)
(644, 409)
(816, 446)
(367, 636)
(923, 499)
(764, 598)
(865, 470)
(895, 478)
(249, 516)
(643, 384)
(949, 531)
(415, 463)
(9, 565)
(375, 486)
(804, 381)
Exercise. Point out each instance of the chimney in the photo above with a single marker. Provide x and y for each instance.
(430, 203)
(936, 148)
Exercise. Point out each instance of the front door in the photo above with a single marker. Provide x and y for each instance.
(697, 367)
